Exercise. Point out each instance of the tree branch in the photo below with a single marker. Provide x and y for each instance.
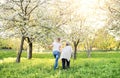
(36, 6)
(27, 7)
(78, 41)
(21, 5)
(18, 13)
(16, 3)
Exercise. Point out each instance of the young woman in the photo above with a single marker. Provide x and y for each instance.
(56, 51)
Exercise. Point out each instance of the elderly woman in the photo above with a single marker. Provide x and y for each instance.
(65, 56)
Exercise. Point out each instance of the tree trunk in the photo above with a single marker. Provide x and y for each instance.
(89, 47)
(88, 53)
(75, 48)
(118, 46)
(20, 50)
(29, 56)
(75, 51)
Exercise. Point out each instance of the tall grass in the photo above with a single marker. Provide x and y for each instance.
(100, 65)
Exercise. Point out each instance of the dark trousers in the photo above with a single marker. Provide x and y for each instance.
(65, 63)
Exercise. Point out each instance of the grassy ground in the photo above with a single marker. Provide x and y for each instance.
(100, 65)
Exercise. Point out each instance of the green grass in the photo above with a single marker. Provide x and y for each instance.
(100, 65)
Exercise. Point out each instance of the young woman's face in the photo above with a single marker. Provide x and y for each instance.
(58, 39)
